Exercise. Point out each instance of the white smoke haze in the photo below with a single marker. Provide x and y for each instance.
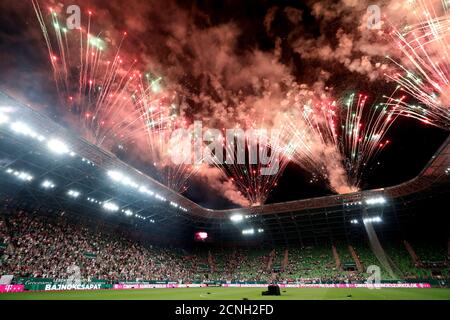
(215, 179)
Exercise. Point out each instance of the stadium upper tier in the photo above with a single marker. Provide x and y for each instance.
(41, 156)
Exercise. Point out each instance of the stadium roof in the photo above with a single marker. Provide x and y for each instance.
(51, 163)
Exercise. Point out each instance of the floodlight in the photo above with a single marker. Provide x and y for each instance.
(375, 200)
(236, 217)
(73, 193)
(21, 128)
(3, 118)
(110, 206)
(47, 184)
(120, 177)
(57, 146)
(24, 176)
(248, 231)
(115, 175)
(157, 196)
(375, 219)
(20, 174)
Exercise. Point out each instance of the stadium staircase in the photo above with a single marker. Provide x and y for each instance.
(270, 260)
(345, 257)
(356, 259)
(336, 257)
(211, 262)
(285, 261)
(415, 259)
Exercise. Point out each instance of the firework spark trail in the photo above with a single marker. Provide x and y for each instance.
(254, 178)
(111, 101)
(363, 131)
(161, 120)
(425, 64)
(101, 94)
(311, 142)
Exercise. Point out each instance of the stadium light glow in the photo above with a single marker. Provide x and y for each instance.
(260, 230)
(121, 178)
(248, 231)
(143, 189)
(236, 217)
(47, 184)
(375, 200)
(3, 118)
(128, 212)
(110, 206)
(57, 146)
(353, 203)
(73, 193)
(115, 175)
(23, 129)
(21, 175)
(25, 176)
(159, 197)
(375, 219)
(354, 221)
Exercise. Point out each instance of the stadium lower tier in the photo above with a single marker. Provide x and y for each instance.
(36, 246)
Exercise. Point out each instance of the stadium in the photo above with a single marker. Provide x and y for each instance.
(82, 217)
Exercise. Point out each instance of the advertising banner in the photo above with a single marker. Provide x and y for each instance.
(154, 286)
(336, 285)
(4, 288)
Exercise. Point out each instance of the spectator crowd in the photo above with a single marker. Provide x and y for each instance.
(34, 245)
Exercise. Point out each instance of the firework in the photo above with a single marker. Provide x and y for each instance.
(110, 101)
(425, 63)
(94, 85)
(254, 162)
(162, 118)
(336, 141)
(363, 132)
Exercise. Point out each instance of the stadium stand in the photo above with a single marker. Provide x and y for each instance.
(35, 245)
(403, 261)
(368, 258)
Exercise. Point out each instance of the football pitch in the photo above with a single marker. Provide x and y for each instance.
(238, 294)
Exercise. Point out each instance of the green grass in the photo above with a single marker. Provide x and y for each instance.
(237, 294)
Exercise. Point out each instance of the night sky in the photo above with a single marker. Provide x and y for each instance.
(198, 46)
